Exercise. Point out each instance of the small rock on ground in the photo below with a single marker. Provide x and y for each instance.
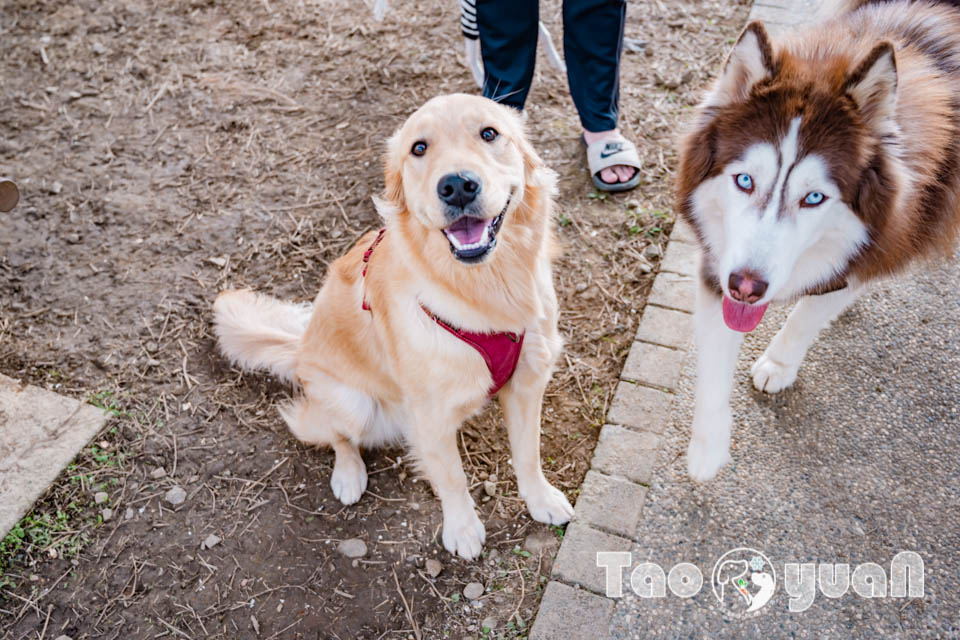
(353, 548)
(652, 252)
(473, 591)
(158, 473)
(176, 496)
(541, 541)
(100, 497)
(107, 514)
(489, 623)
(210, 541)
(490, 488)
(433, 567)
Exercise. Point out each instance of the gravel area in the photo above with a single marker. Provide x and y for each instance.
(854, 464)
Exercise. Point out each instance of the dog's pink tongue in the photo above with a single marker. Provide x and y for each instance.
(467, 230)
(742, 317)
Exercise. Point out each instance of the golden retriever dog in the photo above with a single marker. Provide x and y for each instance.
(420, 323)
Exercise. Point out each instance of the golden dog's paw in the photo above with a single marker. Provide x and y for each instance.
(463, 534)
(349, 480)
(549, 505)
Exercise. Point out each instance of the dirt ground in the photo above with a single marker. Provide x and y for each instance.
(167, 150)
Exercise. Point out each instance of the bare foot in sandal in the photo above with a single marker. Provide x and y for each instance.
(605, 148)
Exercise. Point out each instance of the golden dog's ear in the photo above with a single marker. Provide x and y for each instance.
(536, 173)
(391, 203)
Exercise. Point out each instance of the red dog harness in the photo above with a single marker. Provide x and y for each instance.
(500, 351)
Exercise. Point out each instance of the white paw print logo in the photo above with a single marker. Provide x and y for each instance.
(743, 581)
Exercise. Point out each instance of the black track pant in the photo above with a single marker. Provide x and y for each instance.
(592, 44)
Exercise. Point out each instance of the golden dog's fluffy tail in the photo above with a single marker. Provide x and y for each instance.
(259, 332)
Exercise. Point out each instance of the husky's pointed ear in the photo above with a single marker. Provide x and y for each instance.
(392, 201)
(750, 62)
(873, 84)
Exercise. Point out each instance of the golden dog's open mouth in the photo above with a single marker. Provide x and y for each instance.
(472, 238)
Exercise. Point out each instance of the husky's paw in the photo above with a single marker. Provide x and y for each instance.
(548, 505)
(463, 533)
(349, 479)
(771, 376)
(705, 458)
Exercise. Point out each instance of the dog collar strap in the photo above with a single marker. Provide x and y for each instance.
(500, 351)
(366, 263)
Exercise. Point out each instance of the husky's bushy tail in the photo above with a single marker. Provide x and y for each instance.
(259, 332)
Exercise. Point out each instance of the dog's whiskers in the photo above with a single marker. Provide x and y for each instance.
(499, 99)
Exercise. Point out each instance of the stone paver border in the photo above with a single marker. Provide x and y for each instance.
(611, 500)
(40, 433)
(610, 504)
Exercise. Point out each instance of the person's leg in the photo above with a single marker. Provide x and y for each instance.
(592, 42)
(508, 44)
(592, 45)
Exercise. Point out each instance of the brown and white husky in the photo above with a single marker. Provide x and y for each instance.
(814, 166)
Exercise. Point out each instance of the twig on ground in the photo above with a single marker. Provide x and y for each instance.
(406, 607)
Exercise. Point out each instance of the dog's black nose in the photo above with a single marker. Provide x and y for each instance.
(746, 286)
(459, 189)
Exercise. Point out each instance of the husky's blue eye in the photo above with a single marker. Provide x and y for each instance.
(744, 181)
(813, 199)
